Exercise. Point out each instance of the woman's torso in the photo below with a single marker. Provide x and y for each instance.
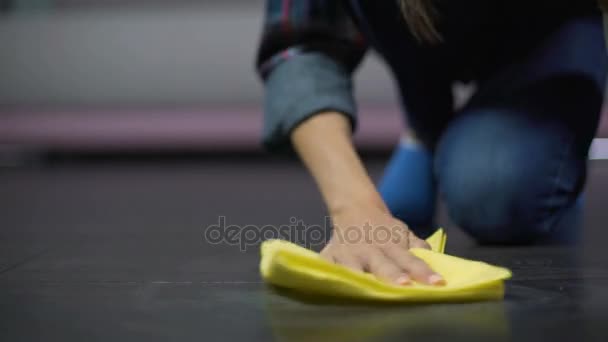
(479, 36)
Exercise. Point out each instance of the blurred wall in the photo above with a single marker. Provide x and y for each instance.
(106, 74)
(142, 53)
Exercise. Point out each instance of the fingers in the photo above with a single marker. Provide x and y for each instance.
(404, 237)
(390, 260)
(349, 261)
(394, 265)
(415, 242)
(415, 267)
(327, 254)
(344, 259)
(409, 263)
(384, 268)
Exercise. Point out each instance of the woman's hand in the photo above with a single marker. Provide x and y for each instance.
(324, 144)
(371, 240)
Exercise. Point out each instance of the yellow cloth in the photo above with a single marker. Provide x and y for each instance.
(287, 265)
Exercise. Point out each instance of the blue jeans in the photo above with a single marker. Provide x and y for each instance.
(511, 165)
(510, 176)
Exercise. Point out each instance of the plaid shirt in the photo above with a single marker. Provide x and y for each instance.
(308, 51)
(317, 44)
(293, 27)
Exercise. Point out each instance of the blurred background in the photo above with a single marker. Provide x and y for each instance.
(151, 76)
(126, 129)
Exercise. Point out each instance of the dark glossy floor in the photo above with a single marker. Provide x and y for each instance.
(115, 251)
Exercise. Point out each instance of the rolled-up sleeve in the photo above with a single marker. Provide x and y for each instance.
(306, 59)
(300, 88)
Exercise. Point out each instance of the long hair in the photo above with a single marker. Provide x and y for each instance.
(421, 17)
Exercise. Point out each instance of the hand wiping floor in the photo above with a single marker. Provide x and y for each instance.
(290, 266)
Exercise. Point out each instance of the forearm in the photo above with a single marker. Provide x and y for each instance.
(324, 144)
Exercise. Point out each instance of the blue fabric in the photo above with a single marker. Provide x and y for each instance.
(511, 165)
(496, 45)
(509, 178)
(299, 88)
(408, 187)
(307, 53)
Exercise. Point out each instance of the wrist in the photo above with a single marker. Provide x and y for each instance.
(355, 203)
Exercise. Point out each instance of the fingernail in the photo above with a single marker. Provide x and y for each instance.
(404, 280)
(436, 279)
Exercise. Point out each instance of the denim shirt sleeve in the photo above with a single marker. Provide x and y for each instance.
(300, 88)
(308, 51)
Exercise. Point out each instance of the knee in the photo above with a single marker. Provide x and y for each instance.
(493, 205)
(494, 190)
